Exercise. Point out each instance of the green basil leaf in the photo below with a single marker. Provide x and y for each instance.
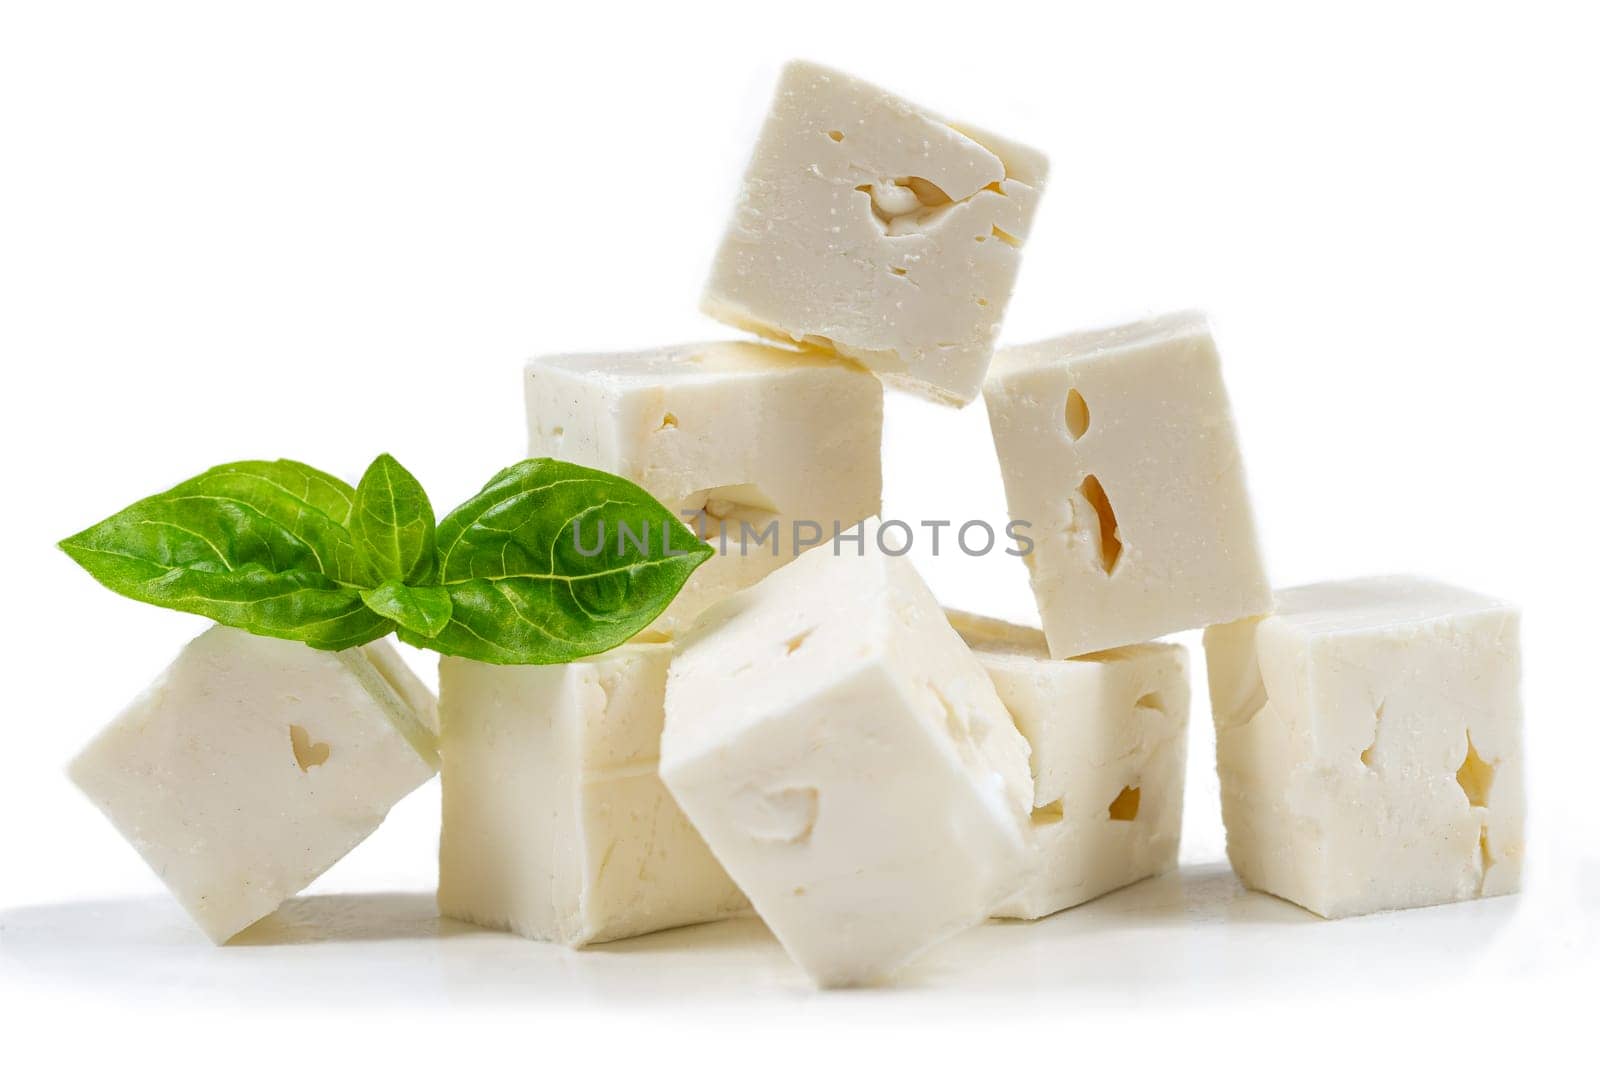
(522, 591)
(315, 507)
(422, 610)
(393, 525)
(247, 545)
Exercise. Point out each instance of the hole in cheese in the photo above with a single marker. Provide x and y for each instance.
(709, 512)
(1049, 813)
(1007, 238)
(1077, 414)
(1153, 701)
(784, 816)
(1368, 752)
(1126, 807)
(307, 754)
(1475, 776)
(927, 193)
(1485, 858)
(906, 205)
(1110, 542)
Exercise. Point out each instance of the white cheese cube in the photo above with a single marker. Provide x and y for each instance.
(1118, 449)
(1108, 733)
(556, 824)
(741, 440)
(877, 229)
(847, 759)
(253, 765)
(1369, 740)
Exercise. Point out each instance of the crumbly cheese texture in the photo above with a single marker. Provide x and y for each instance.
(870, 226)
(847, 759)
(733, 437)
(1107, 733)
(253, 765)
(1369, 740)
(556, 824)
(1118, 449)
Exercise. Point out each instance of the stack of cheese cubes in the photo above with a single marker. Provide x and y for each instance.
(813, 736)
(871, 772)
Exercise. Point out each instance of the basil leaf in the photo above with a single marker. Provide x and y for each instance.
(422, 610)
(230, 546)
(316, 489)
(315, 507)
(393, 525)
(520, 589)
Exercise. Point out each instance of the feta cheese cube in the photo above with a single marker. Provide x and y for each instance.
(254, 764)
(742, 440)
(1118, 449)
(847, 759)
(1369, 744)
(1108, 733)
(872, 227)
(556, 824)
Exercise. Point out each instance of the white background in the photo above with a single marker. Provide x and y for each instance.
(327, 230)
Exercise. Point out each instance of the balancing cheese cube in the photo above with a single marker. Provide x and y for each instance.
(556, 824)
(741, 440)
(1369, 740)
(877, 229)
(1108, 734)
(848, 761)
(1118, 449)
(254, 764)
